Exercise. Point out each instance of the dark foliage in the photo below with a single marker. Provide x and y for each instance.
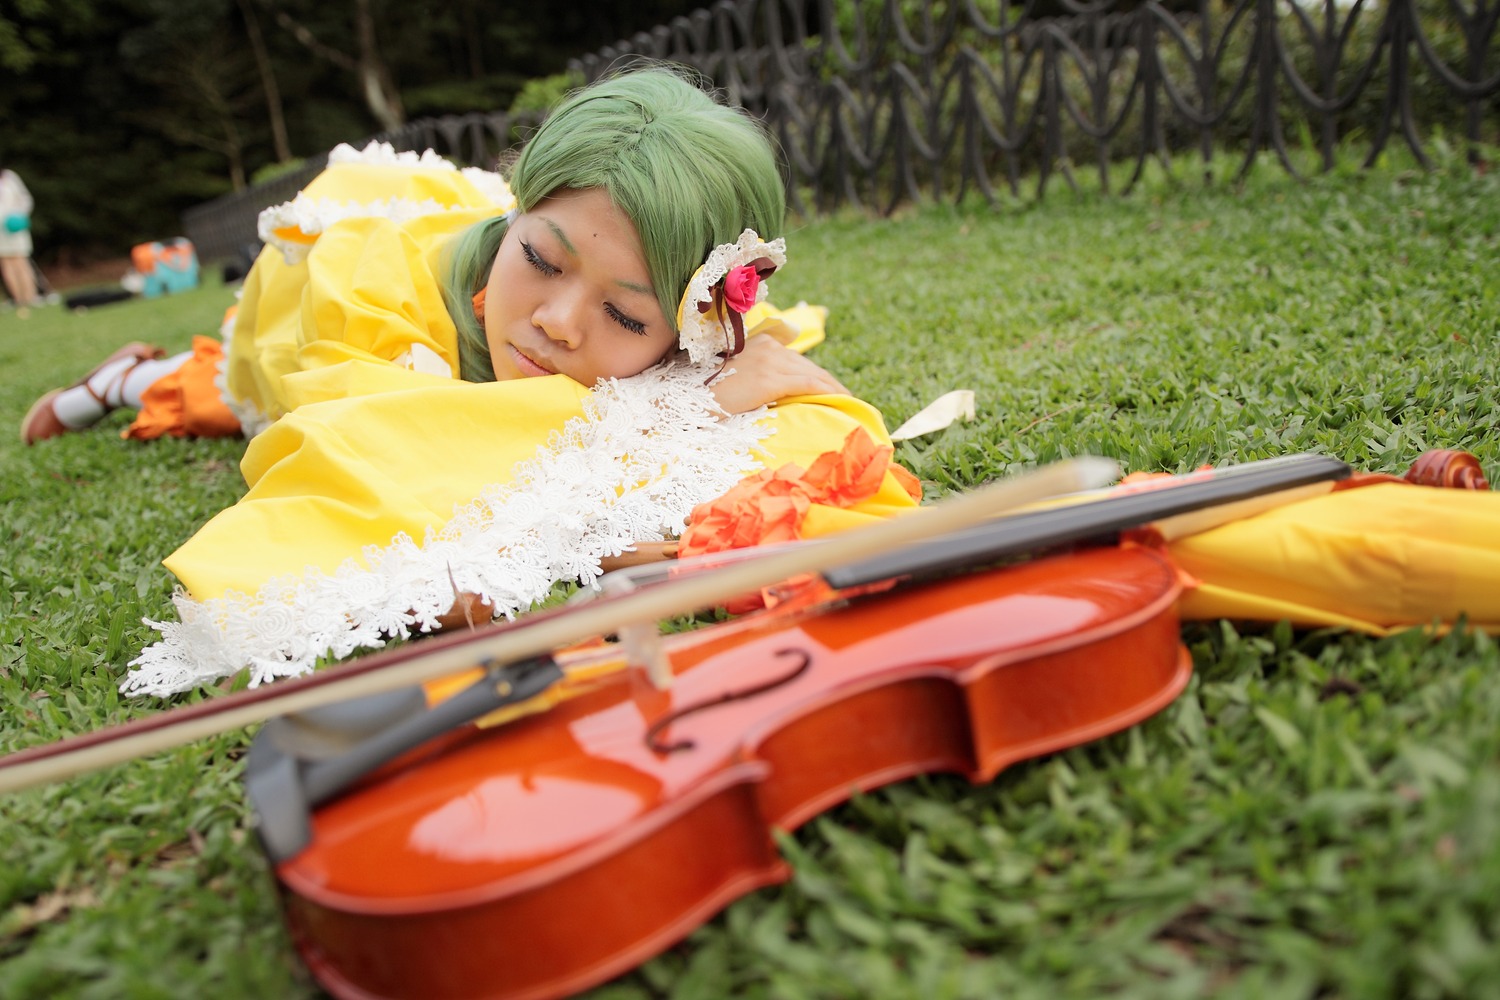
(119, 114)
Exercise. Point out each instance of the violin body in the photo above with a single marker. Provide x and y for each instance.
(548, 855)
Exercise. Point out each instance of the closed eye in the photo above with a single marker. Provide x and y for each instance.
(628, 322)
(536, 261)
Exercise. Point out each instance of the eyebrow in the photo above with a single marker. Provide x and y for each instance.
(561, 236)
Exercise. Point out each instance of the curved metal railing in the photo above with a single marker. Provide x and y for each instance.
(879, 102)
(886, 101)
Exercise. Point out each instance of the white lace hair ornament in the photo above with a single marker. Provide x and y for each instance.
(710, 317)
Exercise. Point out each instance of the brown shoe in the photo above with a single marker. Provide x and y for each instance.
(41, 421)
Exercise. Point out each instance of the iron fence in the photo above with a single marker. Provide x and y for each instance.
(879, 102)
(885, 101)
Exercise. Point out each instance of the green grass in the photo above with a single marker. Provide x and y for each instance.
(1317, 815)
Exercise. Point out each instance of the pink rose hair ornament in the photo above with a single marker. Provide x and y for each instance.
(711, 316)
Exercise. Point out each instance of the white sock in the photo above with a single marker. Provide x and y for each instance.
(78, 408)
(134, 385)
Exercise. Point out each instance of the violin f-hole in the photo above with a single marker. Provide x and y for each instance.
(656, 746)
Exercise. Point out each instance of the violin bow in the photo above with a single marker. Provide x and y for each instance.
(536, 635)
(300, 762)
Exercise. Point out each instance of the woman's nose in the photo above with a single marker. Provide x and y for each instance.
(560, 318)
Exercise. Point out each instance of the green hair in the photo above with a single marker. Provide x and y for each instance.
(465, 271)
(689, 172)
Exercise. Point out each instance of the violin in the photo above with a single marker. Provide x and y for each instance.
(580, 842)
(577, 843)
(403, 836)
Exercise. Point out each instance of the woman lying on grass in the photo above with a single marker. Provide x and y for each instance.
(459, 396)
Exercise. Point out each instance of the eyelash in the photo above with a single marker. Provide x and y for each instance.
(535, 259)
(633, 325)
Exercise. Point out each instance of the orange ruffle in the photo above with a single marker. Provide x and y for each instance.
(771, 506)
(186, 402)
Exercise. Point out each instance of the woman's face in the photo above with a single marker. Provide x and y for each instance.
(569, 294)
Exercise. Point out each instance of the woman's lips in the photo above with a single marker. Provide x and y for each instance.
(528, 367)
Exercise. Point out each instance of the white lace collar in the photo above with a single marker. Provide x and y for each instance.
(646, 451)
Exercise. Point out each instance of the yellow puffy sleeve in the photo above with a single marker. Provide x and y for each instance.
(368, 294)
(826, 468)
(809, 427)
(351, 278)
(329, 481)
(366, 515)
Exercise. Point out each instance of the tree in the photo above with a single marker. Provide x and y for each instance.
(34, 29)
(121, 114)
(64, 98)
(204, 82)
(274, 113)
(376, 84)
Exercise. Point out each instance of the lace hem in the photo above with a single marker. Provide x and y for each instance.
(645, 452)
(293, 226)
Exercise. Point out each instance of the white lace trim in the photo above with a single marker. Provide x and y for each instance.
(702, 334)
(293, 226)
(252, 420)
(423, 359)
(645, 452)
(492, 186)
(383, 154)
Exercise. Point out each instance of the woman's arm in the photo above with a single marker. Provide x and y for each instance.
(765, 372)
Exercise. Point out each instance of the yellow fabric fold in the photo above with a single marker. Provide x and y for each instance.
(334, 477)
(800, 327)
(807, 427)
(1375, 559)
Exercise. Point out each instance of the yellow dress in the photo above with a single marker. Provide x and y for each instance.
(381, 484)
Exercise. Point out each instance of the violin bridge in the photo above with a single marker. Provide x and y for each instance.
(643, 651)
(640, 640)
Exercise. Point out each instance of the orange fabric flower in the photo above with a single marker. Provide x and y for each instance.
(845, 477)
(771, 506)
(767, 507)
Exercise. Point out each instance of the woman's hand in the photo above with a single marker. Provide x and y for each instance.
(468, 611)
(764, 372)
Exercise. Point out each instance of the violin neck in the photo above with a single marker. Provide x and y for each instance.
(1180, 505)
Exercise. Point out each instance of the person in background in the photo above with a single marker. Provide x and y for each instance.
(15, 240)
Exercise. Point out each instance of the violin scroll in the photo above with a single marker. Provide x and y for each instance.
(1447, 467)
